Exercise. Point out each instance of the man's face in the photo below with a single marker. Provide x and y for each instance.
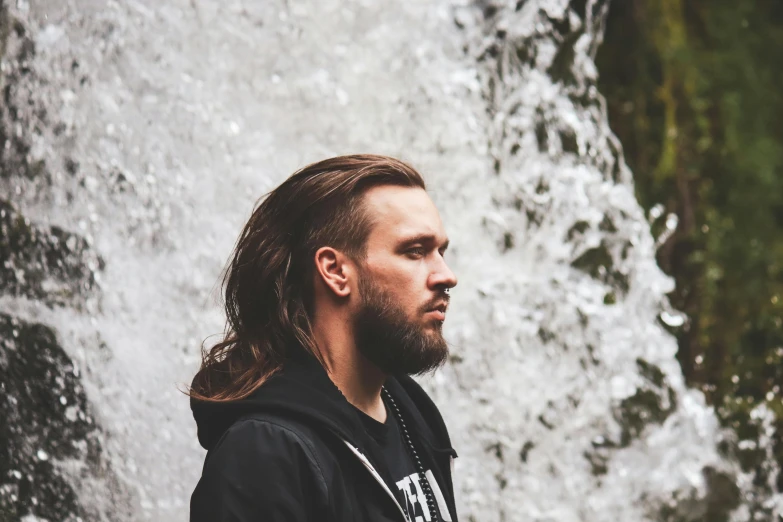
(403, 283)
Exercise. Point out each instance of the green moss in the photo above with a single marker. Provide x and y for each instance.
(643, 408)
(578, 228)
(652, 403)
(651, 372)
(561, 69)
(599, 264)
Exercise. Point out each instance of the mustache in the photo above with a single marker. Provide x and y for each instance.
(441, 298)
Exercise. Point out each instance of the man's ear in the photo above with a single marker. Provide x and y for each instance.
(335, 270)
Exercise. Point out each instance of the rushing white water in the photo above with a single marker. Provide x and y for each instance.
(154, 126)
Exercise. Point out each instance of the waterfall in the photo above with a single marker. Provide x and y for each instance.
(137, 136)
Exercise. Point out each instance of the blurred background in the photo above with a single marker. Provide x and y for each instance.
(692, 93)
(608, 171)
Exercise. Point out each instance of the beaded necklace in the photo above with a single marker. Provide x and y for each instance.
(425, 485)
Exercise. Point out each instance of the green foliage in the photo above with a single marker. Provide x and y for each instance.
(693, 90)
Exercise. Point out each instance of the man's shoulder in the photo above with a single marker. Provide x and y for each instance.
(263, 427)
(268, 438)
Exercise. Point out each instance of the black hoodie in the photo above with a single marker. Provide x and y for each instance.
(296, 451)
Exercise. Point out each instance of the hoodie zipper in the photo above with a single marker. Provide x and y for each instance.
(377, 477)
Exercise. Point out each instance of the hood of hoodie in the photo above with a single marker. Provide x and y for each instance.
(301, 390)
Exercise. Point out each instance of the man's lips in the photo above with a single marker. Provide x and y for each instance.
(440, 315)
(438, 311)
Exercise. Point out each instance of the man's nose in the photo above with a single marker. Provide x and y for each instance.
(442, 276)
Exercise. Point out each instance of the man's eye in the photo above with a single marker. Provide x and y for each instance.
(417, 251)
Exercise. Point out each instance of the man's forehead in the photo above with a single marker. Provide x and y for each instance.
(403, 211)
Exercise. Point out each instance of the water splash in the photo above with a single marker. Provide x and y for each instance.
(573, 372)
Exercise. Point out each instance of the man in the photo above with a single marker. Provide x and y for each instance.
(336, 293)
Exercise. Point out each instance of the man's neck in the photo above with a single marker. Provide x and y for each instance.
(359, 380)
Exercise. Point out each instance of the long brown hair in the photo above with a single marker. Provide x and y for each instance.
(268, 282)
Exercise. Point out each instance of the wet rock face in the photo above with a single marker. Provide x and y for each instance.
(50, 445)
(44, 263)
(22, 115)
(46, 423)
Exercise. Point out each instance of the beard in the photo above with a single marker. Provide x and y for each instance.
(390, 340)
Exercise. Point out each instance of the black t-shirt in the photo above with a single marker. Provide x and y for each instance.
(407, 483)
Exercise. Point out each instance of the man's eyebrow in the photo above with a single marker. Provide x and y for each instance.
(424, 238)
